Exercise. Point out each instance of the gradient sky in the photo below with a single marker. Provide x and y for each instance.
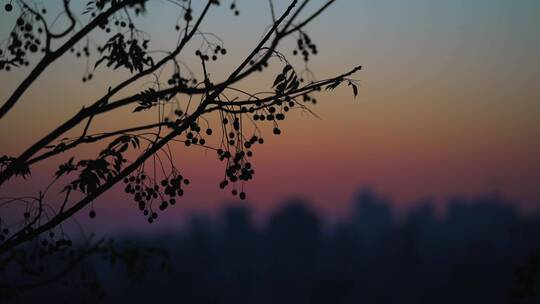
(448, 105)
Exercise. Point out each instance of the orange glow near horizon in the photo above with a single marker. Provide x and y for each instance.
(449, 108)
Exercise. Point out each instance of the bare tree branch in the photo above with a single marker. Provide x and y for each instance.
(96, 176)
(50, 57)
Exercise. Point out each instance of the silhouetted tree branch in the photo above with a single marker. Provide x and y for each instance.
(50, 56)
(126, 47)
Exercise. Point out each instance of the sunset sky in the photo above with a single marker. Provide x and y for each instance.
(448, 105)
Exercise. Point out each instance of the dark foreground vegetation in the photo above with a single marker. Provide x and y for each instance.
(479, 251)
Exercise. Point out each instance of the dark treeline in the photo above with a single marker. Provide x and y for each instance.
(469, 255)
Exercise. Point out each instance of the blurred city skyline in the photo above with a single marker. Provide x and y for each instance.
(479, 251)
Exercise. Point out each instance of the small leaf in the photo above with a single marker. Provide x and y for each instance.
(279, 78)
(65, 168)
(281, 87)
(292, 81)
(123, 148)
(334, 85)
(354, 89)
(135, 142)
(287, 68)
(294, 85)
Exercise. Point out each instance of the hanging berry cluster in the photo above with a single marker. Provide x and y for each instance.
(146, 191)
(8, 7)
(84, 51)
(193, 136)
(48, 244)
(216, 50)
(235, 151)
(52, 245)
(34, 261)
(270, 114)
(24, 39)
(234, 8)
(177, 80)
(305, 46)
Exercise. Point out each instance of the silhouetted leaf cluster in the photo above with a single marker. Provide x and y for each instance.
(147, 99)
(19, 168)
(286, 81)
(94, 172)
(130, 53)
